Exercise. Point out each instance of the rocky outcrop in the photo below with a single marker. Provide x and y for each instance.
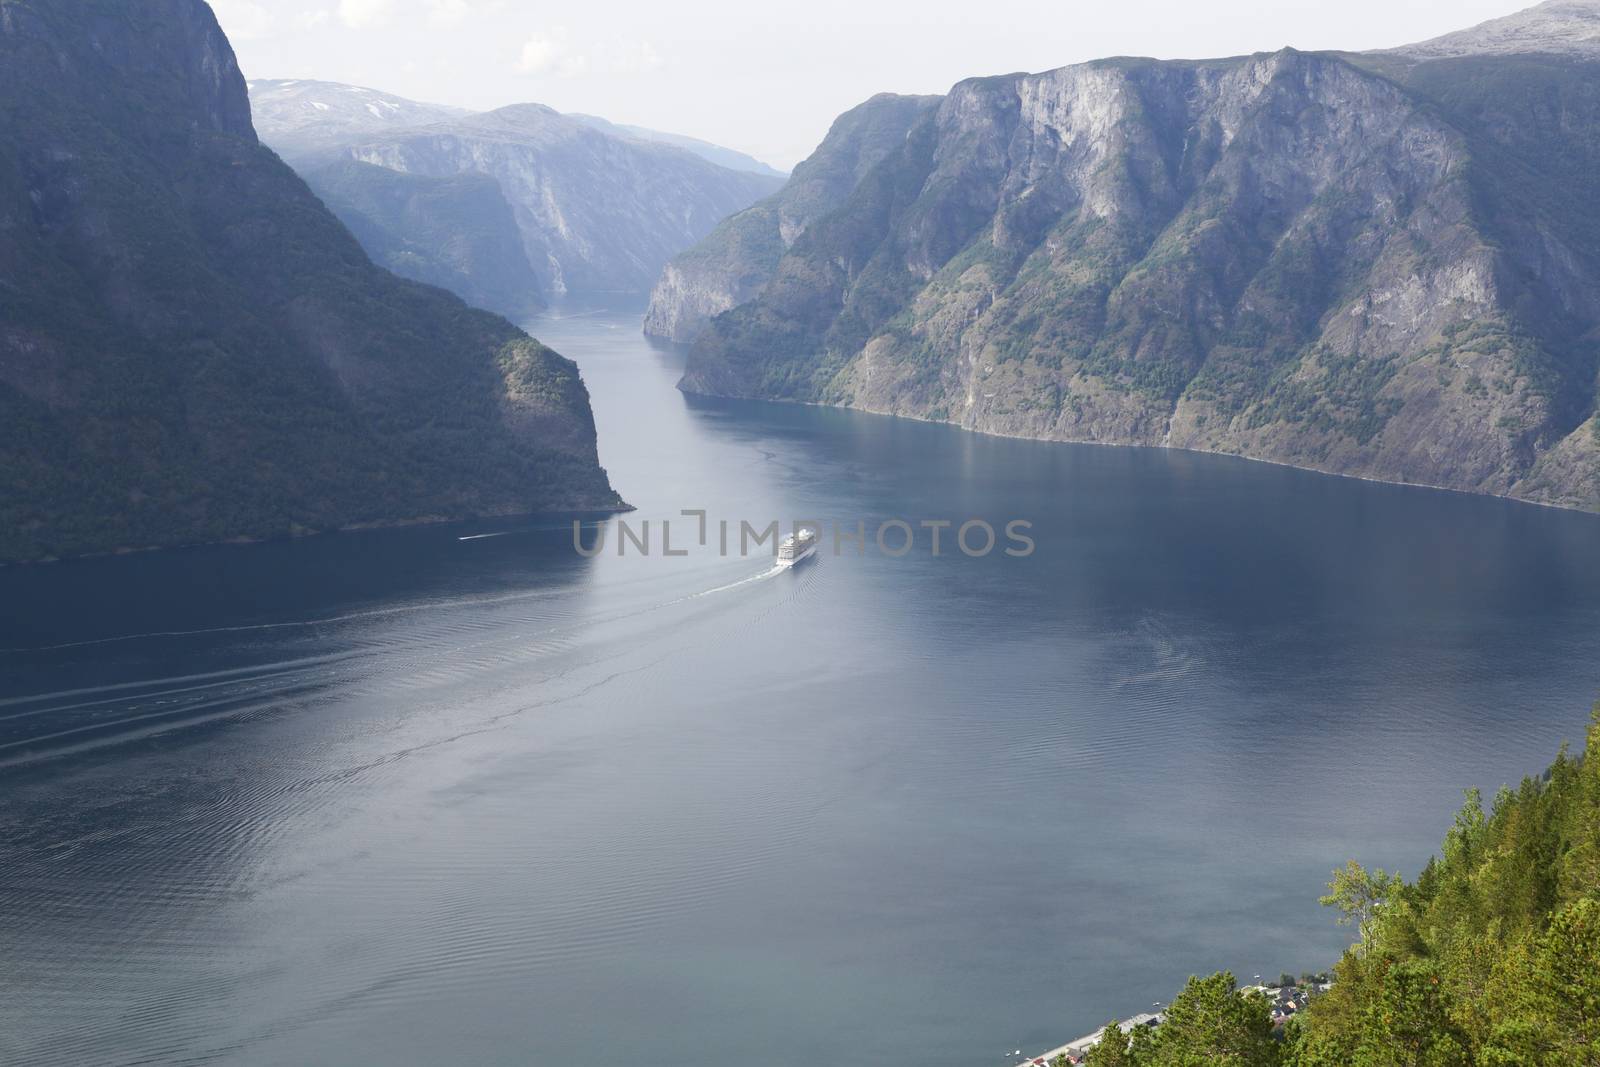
(691, 293)
(1292, 257)
(193, 349)
(739, 257)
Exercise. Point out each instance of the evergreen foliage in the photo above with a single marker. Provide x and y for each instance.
(1492, 956)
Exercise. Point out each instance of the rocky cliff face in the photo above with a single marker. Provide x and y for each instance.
(597, 213)
(193, 349)
(595, 207)
(1369, 268)
(457, 231)
(739, 257)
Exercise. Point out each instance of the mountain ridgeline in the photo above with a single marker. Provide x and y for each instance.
(511, 208)
(712, 153)
(1384, 265)
(192, 349)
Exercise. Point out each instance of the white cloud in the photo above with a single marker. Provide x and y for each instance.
(243, 20)
(553, 53)
(360, 14)
(538, 54)
(550, 53)
(448, 12)
(310, 20)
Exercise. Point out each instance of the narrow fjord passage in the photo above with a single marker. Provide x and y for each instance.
(459, 792)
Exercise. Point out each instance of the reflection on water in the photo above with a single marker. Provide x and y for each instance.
(403, 797)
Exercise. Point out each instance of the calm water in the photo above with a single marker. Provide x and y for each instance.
(408, 799)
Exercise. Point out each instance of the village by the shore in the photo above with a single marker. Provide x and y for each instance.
(1288, 996)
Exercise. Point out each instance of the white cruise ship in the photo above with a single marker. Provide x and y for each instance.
(797, 547)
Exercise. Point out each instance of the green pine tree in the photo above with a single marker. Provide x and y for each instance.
(1111, 1050)
(1213, 1021)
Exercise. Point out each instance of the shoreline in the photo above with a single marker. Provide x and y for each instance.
(415, 522)
(1288, 1000)
(1372, 479)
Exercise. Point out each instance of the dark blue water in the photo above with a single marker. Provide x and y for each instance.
(402, 798)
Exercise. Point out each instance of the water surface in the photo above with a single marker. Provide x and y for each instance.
(403, 798)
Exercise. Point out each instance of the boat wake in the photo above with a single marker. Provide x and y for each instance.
(763, 576)
(429, 643)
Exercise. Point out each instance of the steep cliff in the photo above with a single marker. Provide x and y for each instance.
(597, 213)
(457, 231)
(740, 256)
(1385, 268)
(595, 207)
(193, 349)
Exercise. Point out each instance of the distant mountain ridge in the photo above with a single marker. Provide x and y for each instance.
(711, 153)
(307, 121)
(192, 349)
(1556, 27)
(1384, 265)
(597, 207)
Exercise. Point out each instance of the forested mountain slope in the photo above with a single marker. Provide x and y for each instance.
(193, 349)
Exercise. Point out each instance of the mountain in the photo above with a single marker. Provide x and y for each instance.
(456, 231)
(711, 153)
(597, 212)
(303, 119)
(427, 191)
(1558, 27)
(740, 256)
(309, 121)
(1382, 266)
(192, 349)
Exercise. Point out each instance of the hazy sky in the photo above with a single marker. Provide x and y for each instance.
(768, 78)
